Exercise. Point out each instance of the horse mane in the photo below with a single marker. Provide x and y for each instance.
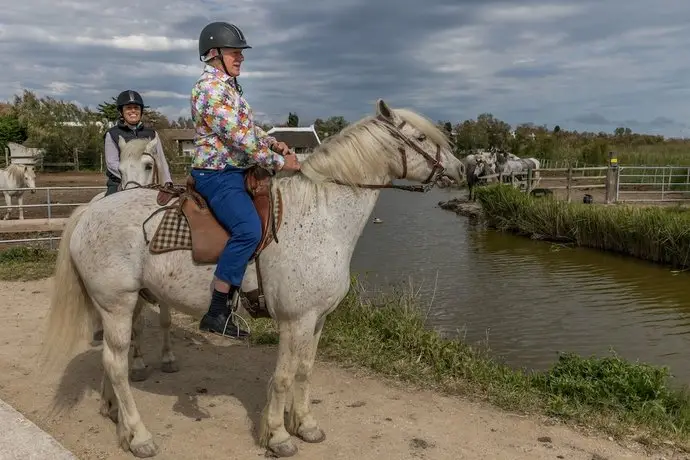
(16, 172)
(360, 153)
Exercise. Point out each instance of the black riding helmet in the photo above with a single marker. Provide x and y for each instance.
(221, 35)
(129, 97)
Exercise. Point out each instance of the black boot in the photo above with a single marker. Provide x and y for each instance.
(219, 315)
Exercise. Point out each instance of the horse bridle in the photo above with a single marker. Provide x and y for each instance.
(437, 168)
(156, 179)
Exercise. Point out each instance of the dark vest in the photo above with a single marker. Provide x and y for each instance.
(122, 129)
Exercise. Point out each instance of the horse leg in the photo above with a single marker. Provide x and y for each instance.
(8, 203)
(109, 407)
(168, 360)
(117, 334)
(301, 421)
(138, 372)
(20, 204)
(272, 432)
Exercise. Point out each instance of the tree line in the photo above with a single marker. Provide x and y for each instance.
(65, 129)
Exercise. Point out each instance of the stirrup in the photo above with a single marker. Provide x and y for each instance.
(233, 315)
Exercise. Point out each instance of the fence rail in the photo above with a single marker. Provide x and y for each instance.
(653, 184)
(50, 224)
(564, 178)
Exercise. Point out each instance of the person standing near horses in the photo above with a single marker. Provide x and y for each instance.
(227, 143)
(130, 106)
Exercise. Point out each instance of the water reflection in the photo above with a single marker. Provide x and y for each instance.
(531, 299)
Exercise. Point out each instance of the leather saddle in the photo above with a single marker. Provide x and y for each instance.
(208, 236)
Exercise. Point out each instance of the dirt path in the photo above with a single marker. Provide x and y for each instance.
(207, 410)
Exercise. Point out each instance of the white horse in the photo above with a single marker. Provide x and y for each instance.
(139, 165)
(508, 164)
(17, 176)
(104, 263)
(476, 167)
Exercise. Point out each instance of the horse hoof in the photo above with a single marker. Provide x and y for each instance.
(170, 367)
(312, 435)
(145, 449)
(284, 449)
(138, 375)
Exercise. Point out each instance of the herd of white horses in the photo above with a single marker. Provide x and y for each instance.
(493, 165)
(104, 265)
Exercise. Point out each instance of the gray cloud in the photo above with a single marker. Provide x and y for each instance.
(580, 64)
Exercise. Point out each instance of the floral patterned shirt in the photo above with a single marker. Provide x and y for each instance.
(224, 124)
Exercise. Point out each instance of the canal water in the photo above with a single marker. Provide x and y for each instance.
(527, 300)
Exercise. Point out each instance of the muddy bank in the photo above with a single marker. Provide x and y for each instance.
(462, 207)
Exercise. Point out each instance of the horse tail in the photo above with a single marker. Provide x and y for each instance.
(70, 305)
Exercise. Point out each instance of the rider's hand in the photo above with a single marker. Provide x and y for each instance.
(280, 147)
(291, 163)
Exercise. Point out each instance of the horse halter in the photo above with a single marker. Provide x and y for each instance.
(155, 181)
(437, 168)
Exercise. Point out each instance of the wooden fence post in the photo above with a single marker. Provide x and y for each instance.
(570, 182)
(610, 184)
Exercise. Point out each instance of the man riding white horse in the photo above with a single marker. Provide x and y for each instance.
(227, 142)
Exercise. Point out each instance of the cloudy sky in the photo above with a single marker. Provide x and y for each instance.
(582, 64)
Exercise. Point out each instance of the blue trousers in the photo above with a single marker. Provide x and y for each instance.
(227, 196)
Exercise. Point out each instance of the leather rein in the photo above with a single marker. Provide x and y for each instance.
(437, 168)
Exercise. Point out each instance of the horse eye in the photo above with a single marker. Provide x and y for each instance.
(149, 167)
(421, 137)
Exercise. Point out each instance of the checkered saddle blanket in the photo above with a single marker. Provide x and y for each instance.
(173, 233)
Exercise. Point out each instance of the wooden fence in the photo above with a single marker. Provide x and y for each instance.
(568, 179)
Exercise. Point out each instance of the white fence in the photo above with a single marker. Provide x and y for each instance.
(649, 184)
(621, 184)
(40, 225)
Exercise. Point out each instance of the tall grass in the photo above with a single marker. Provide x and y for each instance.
(656, 234)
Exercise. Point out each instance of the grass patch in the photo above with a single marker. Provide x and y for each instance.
(388, 336)
(652, 233)
(26, 263)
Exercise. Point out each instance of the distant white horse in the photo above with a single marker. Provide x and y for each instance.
(476, 166)
(17, 176)
(104, 263)
(507, 164)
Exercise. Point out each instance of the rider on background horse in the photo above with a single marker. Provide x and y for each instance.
(227, 143)
(130, 105)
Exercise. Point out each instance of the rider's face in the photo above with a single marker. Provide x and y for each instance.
(233, 60)
(131, 113)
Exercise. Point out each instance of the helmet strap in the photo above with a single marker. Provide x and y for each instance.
(225, 69)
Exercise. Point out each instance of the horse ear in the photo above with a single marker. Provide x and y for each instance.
(121, 142)
(151, 146)
(383, 110)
